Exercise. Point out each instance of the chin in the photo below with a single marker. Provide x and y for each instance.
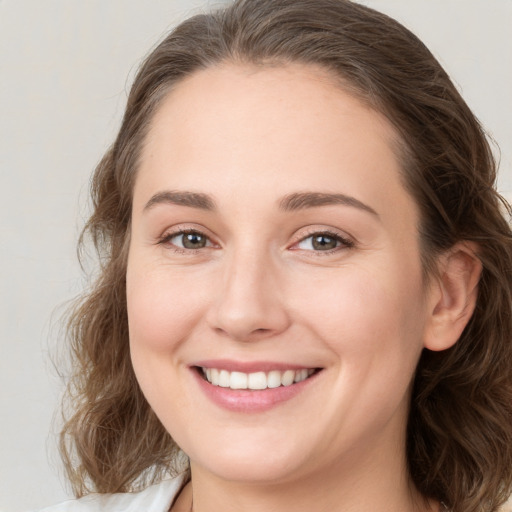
(250, 471)
(251, 464)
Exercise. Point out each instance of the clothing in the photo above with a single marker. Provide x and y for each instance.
(156, 498)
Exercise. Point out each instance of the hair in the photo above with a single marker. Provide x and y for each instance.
(459, 432)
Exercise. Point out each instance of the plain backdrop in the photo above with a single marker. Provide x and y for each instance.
(65, 68)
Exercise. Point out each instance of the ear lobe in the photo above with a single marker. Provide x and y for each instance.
(452, 296)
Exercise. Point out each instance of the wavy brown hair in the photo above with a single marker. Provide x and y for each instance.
(459, 437)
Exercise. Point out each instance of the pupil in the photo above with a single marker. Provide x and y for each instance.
(193, 241)
(323, 243)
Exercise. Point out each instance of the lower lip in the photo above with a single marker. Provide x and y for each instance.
(248, 401)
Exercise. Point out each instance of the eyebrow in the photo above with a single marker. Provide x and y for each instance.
(303, 200)
(182, 198)
(292, 202)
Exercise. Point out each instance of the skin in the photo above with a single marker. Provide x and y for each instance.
(260, 291)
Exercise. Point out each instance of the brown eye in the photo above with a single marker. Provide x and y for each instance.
(324, 242)
(189, 240)
(193, 240)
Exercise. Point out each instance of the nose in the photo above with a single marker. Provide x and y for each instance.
(249, 304)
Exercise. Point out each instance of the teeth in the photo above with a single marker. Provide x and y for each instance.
(274, 379)
(256, 380)
(300, 375)
(237, 380)
(288, 378)
(224, 379)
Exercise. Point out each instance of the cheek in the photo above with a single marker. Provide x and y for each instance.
(368, 310)
(163, 306)
(372, 320)
(160, 317)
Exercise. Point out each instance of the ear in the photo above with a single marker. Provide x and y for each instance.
(452, 296)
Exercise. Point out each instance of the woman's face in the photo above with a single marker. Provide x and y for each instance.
(272, 241)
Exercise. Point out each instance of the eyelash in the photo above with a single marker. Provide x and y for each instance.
(166, 240)
(344, 243)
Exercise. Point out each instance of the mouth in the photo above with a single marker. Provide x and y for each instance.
(255, 381)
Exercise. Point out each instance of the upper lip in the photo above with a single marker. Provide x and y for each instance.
(249, 366)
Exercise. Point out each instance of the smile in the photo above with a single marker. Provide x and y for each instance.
(256, 380)
(252, 387)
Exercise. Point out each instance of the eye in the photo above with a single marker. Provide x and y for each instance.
(188, 240)
(323, 242)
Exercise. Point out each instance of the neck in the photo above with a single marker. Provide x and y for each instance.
(375, 482)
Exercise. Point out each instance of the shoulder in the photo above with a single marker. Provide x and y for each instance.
(156, 498)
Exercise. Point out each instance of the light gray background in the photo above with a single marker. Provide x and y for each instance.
(65, 66)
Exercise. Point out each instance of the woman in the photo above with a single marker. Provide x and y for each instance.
(305, 292)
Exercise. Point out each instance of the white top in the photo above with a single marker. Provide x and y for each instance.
(156, 498)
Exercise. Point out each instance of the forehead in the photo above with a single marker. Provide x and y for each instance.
(291, 127)
(234, 96)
